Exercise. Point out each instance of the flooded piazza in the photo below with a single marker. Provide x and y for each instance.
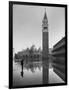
(33, 73)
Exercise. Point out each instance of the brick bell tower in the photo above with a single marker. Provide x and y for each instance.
(45, 48)
(45, 36)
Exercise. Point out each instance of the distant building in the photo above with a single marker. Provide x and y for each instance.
(27, 54)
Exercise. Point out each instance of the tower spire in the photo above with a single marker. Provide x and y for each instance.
(45, 20)
(45, 16)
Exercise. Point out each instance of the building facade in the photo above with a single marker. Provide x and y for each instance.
(58, 54)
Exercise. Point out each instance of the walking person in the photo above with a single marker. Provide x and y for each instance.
(22, 62)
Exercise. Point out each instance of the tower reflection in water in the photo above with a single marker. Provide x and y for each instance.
(45, 72)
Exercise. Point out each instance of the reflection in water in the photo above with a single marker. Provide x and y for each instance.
(45, 71)
(33, 72)
(27, 73)
(22, 62)
(22, 73)
(32, 66)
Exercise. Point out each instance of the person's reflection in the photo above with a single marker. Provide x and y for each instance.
(22, 62)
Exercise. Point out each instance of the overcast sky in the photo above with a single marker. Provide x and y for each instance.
(27, 25)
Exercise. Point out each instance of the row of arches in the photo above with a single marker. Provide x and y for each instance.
(31, 56)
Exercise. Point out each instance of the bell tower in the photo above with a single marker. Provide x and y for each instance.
(45, 49)
(45, 36)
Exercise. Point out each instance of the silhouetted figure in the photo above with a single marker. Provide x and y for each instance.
(22, 73)
(22, 62)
